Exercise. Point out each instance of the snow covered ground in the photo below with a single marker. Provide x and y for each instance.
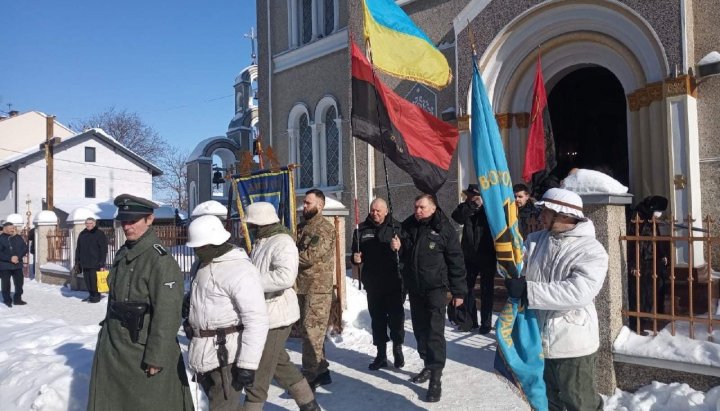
(46, 350)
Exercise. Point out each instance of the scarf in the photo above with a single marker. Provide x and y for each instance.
(208, 253)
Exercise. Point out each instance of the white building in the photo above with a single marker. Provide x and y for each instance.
(89, 168)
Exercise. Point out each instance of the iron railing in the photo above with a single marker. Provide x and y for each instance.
(671, 280)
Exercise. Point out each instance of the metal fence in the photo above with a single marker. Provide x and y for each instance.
(173, 238)
(59, 244)
(671, 281)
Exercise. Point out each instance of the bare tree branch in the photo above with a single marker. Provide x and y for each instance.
(127, 128)
(171, 186)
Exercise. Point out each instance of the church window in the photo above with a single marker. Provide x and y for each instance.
(332, 144)
(306, 153)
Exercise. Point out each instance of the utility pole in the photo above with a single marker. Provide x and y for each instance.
(50, 130)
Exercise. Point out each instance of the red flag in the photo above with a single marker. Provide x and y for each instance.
(419, 143)
(535, 152)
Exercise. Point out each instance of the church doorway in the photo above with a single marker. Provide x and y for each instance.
(588, 111)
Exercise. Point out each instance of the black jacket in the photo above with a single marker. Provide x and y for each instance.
(432, 255)
(477, 240)
(91, 249)
(379, 263)
(9, 247)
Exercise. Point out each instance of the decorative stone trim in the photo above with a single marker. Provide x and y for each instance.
(671, 87)
(504, 120)
(522, 120)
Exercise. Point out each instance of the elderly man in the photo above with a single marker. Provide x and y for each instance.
(276, 257)
(137, 364)
(12, 251)
(90, 256)
(381, 278)
(433, 271)
(227, 314)
(565, 267)
(316, 244)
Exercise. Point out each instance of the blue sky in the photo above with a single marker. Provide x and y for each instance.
(172, 62)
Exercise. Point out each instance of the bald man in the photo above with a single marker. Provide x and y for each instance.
(381, 278)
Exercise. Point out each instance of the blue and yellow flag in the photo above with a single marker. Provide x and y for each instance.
(273, 186)
(400, 48)
(519, 355)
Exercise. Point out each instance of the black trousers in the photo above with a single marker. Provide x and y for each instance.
(487, 287)
(17, 278)
(427, 311)
(387, 311)
(90, 276)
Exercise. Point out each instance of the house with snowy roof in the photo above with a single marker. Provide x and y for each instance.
(89, 168)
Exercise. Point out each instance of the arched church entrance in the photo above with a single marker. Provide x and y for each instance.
(588, 111)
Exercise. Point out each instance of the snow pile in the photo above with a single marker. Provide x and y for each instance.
(664, 346)
(584, 181)
(665, 397)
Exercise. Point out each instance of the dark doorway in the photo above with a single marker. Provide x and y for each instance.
(588, 113)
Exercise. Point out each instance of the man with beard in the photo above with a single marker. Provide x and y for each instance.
(434, 275)
(137, 364)
(90, 256)
(381, 278)
(314, 284)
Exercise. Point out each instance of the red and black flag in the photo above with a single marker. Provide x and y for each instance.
(419, 143)
(540, 152)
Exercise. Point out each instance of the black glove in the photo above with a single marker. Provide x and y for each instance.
(189, 333)
(516, 287)
(242, 377)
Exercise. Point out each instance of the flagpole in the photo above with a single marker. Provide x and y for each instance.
(382, 148)
(357, 214)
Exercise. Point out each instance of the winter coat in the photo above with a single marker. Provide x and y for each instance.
(565, 271)
(11, 246)
(276, 258)
(432, 256)
(528, 218)
(143, 273)
(477, 240)
(379, 262)
(228, 292)
(316, 246)
(91, 249)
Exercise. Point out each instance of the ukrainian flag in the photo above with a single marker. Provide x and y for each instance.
(400, 48)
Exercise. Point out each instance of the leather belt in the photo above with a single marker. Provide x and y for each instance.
(226, 330)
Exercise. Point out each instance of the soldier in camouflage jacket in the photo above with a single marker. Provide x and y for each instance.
(314, 286)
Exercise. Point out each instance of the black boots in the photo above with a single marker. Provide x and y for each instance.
(8, 302)
(485, 329)
(322, 379)
(380, 360)
(421, 377)
(398, 357)
(18, 301)
(435, 388)
(311, 406)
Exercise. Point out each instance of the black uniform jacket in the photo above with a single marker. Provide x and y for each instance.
(379, 262)
(432, 255)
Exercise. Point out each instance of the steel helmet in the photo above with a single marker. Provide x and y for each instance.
(206, 230)
(261, 213)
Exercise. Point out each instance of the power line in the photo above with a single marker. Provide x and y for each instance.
(75, 162)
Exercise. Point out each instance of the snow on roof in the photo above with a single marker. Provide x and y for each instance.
(104, 210)
(210, 207)
(45, 217)
(17, 156)
(16, 219)
(101, 132)
(81, 214)
(198, 151)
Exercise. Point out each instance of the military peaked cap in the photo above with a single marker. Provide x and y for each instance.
(132, 208)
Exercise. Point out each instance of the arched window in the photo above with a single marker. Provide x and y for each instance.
(305, 151)
(332, 148)
(306, 21)
(328, 16)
